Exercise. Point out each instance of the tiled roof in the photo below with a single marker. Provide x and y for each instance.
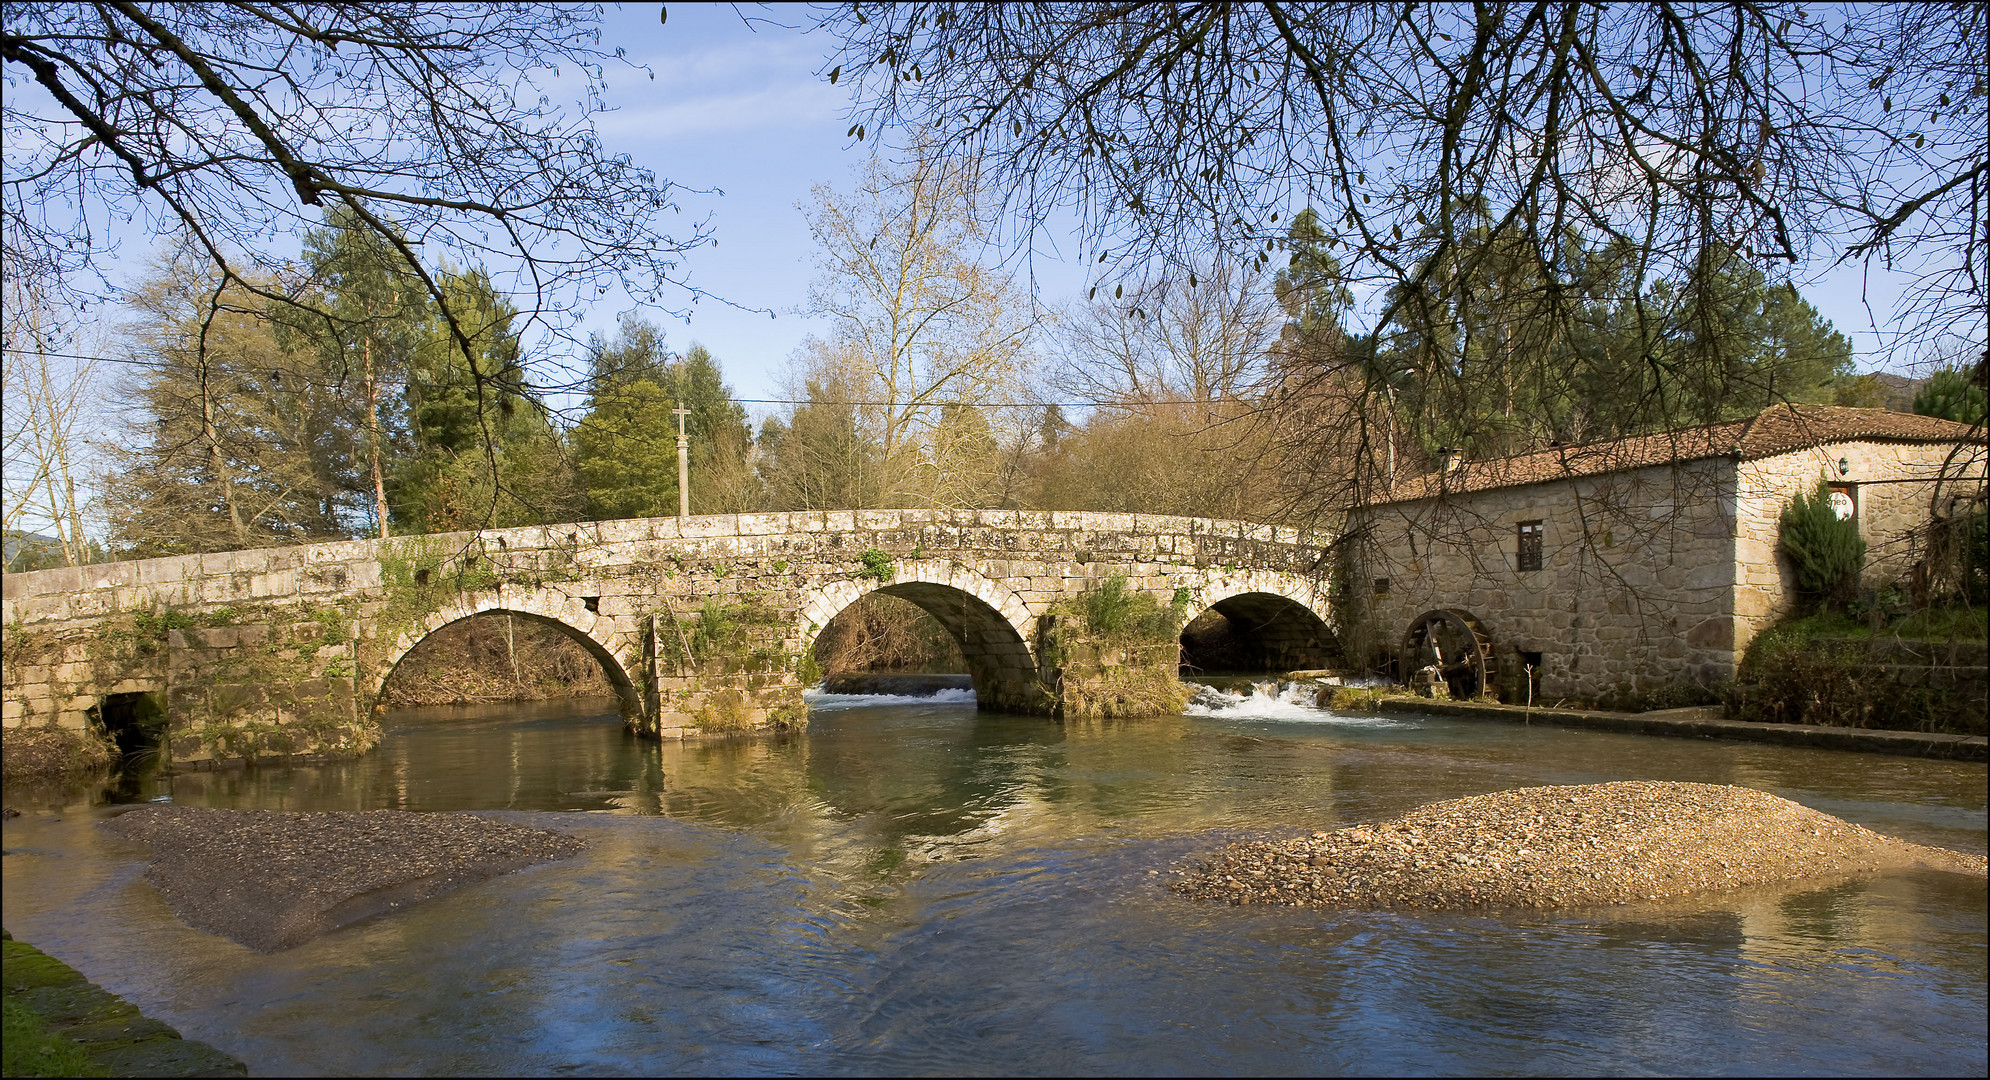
(1777, 429)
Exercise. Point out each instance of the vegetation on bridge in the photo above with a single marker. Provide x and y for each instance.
(1115, 652)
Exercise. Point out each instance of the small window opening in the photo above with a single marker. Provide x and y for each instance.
(1530, 545)
(1381, 586)
(421, 576)
(593, 603)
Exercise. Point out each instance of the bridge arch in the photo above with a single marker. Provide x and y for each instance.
(1269, 622)
(568, 615)
(988, 621)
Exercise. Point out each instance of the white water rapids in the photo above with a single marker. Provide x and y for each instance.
(1288, 702)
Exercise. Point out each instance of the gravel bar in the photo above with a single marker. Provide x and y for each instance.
(1549, 847)
(272, 879)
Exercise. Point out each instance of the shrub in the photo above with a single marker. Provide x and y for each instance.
(1951, 395)
(1825, 670)
(1114, 613)
(1825, 550)
(877, 566)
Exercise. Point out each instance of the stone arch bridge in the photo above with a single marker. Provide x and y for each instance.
(701, 625)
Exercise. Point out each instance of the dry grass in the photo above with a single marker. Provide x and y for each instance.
(40, 754)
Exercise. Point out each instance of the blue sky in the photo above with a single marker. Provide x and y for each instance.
(738, 106)
(738, 111)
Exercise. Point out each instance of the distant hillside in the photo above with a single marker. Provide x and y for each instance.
(29, 551)
(1900, 390)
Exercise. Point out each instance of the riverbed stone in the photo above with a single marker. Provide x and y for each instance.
(1545, 847)
(272, 880)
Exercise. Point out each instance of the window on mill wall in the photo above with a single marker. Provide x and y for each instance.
(1530, 545)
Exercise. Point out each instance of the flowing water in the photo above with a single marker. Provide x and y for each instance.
(912, 887)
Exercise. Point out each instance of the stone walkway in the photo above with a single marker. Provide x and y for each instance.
(1706, 723)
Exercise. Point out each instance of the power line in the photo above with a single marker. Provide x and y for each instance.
(1122, 404)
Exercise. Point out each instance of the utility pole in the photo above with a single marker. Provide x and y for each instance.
(683, 466)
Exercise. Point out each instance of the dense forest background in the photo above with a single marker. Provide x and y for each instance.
(1230, 392)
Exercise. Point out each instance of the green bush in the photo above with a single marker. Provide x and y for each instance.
(1828, 670)
(877, 566)
(1114, 613)
(1826, 550)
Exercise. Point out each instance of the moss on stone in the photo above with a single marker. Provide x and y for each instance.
(60, 1024)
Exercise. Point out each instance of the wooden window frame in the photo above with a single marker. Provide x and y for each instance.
(1529, 554)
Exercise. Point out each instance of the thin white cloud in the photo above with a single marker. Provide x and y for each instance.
(769, 107)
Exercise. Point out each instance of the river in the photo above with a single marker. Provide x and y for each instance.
(914, 887)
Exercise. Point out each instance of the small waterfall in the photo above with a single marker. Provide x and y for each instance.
(1269, 698)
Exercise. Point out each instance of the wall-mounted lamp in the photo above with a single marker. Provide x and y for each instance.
(1844, 466)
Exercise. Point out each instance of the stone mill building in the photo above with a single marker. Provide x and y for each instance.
(1613, 569)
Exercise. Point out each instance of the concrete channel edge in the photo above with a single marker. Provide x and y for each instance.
(1700, 724)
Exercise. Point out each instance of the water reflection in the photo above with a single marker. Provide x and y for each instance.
(921, 888)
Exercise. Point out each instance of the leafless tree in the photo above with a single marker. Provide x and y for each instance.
(1201, 337)
(47, 398)
(439, 127)
(1170, 128)
(1458, 154)
(917, 323)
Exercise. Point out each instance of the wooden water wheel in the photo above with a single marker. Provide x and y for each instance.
(1457, 645)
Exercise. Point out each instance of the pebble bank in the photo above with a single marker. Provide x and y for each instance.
(1560, 847)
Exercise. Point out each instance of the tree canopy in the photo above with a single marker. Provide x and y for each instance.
(1779, 131)
(452, 134)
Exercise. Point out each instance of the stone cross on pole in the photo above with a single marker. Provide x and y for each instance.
(683, 465)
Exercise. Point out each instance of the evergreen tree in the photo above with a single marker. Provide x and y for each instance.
(822, 457)
(234, 441)
(1310, 288)
(626, 445)
(1952, 395)
(489, 459)
(366, 318)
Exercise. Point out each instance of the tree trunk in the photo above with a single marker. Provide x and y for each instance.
(216, 460)
(373, 438)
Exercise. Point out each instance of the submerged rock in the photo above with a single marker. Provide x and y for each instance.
(1561, 847)
(272, 879)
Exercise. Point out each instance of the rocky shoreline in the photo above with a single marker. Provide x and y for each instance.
(1560, 847)
(272, 879)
